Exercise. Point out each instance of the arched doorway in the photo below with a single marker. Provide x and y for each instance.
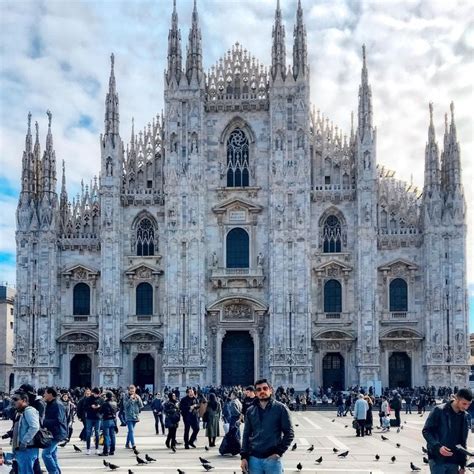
(333, 371)
(81, 371)
(237, 358)
(144, 370)
(11, 382)
(399, 370)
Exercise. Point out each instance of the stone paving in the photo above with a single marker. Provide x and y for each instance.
(321, 429)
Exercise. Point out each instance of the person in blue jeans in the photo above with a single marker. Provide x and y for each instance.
(109, 424)
(25, 427)
(54, 421)
(132, 406)
(93, 418)
(268, 433)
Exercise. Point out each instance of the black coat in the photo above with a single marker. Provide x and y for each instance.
(55, 420)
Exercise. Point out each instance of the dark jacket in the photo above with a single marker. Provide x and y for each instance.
(438, 432)
(247, 403)
(108, 410)
(157, 405)
(171, 411)
(189, 409)
(92, 413)
(55, 420)
(267, 431)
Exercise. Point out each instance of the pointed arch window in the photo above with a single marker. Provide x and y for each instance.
(332, 235)
(145, 238)
(398, 295)
(237, 159)
(332, 297)
(144, 299)
(81, 300)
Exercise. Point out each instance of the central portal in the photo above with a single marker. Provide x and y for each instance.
(237, 359)
(143, 370)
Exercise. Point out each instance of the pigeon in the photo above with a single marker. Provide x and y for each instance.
(333, 420)
(203, 461)
(130, 471)
(421, 416)
(425, 460)
(414, 468)
(299, 466)
(470, 465)
(294, 447)
(206, 448)
(335, 450)
(425, 451)
(207, 467)
(181, 472)
(135, 451)
(398, 430)
(345, 426)
(296, 424)
(384, 438)
(140, 460)
(393, 458)
(63, 444)
(401, 427)
(343, 455)
(405, 422)
(106, 464)
(149, 458)
(78, 450)
(310, 449)
(113, 466)
(398, 445)
(319, 460)
(377, 457)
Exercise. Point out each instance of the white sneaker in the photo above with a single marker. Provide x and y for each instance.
(88, 452)
(97, 451)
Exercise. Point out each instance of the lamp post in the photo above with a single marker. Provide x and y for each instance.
(183, 335)
(290, 327)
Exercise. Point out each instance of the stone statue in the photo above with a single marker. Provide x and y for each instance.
(108, 167)
(260, 259)
(214, 260)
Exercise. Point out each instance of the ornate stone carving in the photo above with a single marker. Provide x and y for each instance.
(237, 312)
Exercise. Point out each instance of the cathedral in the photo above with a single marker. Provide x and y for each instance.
(240, 234)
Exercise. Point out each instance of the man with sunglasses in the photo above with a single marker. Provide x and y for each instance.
(268, 433)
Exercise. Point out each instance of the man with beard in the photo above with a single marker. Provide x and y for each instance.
(249, 399)
(189, 406)
(267, 434)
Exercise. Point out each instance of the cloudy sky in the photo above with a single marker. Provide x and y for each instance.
(55, 55)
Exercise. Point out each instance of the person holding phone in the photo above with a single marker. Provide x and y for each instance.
(448, 426)
(268, 433)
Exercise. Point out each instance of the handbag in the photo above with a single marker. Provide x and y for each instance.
(43, 438)
(205, 417)
(355, 425)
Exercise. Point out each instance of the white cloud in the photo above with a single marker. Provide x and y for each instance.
(417, 52)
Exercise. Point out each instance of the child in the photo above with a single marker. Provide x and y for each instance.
(386, 423)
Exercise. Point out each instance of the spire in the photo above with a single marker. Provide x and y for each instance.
(63, 201)
(28, 140)
(174, 49)
(300, 53)
(432, 171)
(112, 104)
(36, 164)
(452, 157)
(194, 52)
(278, 46)
(49, 161)
(27, 171)
(365, 102)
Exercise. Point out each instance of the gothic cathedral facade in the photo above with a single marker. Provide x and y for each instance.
(239, 235)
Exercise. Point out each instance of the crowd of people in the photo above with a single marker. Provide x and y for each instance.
(44, 419)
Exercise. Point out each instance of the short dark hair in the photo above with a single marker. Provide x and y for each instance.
(52, 391)
(20, 395)
(96, 390)
(250, 388)
(464, 393)
(262, 381)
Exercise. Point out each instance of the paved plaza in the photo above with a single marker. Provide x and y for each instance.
(311, 428)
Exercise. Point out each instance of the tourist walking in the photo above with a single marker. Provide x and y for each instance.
(157, 408)
(132, 406)
(171, 412)
(407, 404)
(189, 408)
(445, 428)
(81, 413)
(234, 412)
(108, 411)
(91, 409)
(369, 419)
(69, 410)
(212, 416)
(249, 399)
(360, 413)
(384, 413)
(348, 405)
(396, 406)
(340, 404)
(54, 421)
(268, 433)
(25, 427)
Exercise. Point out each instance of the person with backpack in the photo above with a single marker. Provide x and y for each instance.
(55, 422)
(172, 416)
(92, 412)
(25, 427)
(108, 411)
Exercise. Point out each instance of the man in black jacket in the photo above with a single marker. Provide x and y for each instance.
(268, 433)
(55, 422)
(446, 427)
(189, 408)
